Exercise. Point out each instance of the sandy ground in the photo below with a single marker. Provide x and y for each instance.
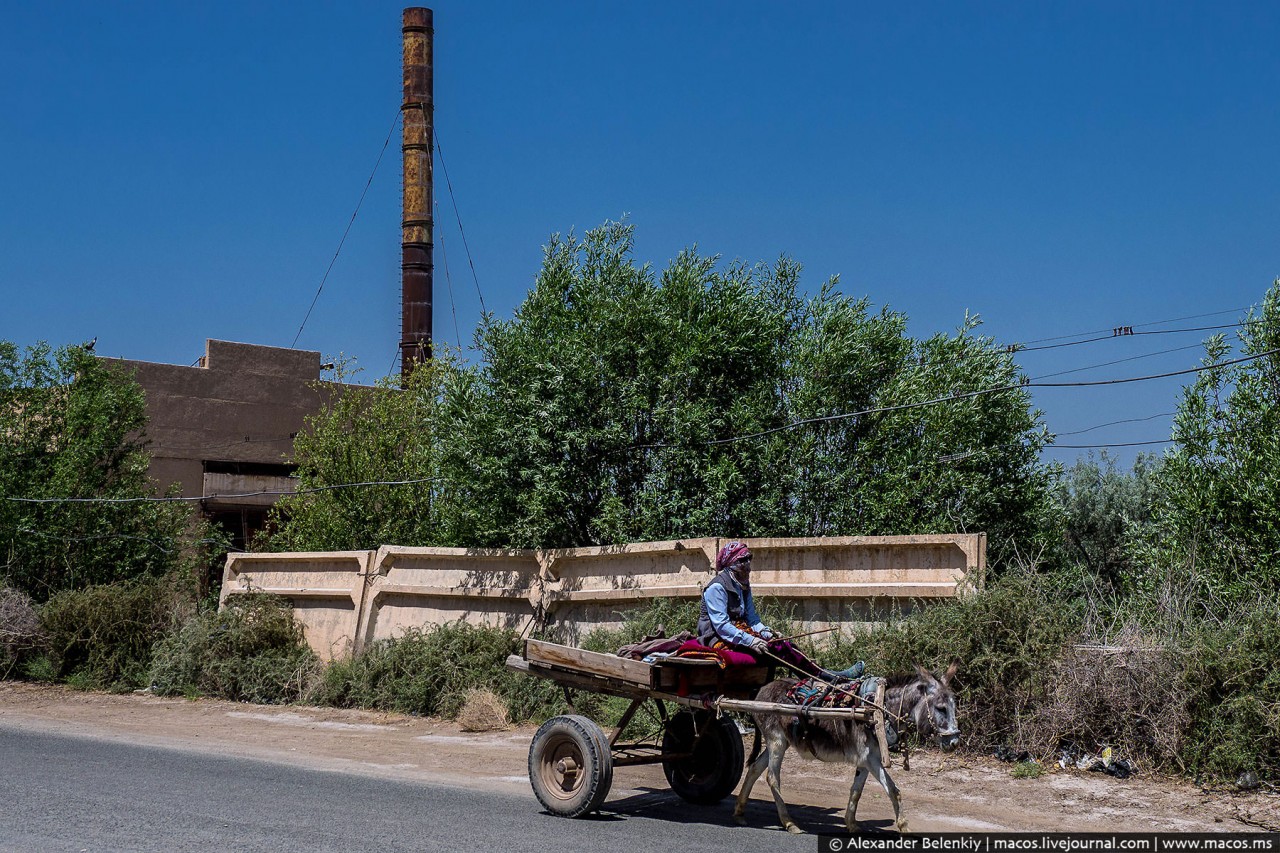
(940, 793)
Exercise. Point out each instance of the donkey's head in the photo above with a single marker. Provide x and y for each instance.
(934, 708)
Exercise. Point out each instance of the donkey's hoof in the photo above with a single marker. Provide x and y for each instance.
(902, 826)
(792, 828)
(739, 819)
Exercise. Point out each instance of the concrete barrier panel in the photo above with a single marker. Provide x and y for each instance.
(349, 599)
(416, 587)
(326, 589)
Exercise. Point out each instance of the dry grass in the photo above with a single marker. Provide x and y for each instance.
(482, 711)
(1131, 693)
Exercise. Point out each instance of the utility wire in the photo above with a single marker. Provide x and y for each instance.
(953, 396)
(448, 280)
(1117, 361)
(1139, 325)
(352, 221)
(448, 183)
(1117, 423)
(1128, 334)
(212, 497)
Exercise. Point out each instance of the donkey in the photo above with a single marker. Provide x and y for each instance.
(921, 701)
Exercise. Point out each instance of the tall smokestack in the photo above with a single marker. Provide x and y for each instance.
(416, 266)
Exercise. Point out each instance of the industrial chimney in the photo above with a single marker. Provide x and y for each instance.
(416, 266)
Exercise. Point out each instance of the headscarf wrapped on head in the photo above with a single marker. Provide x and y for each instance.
(734, 552)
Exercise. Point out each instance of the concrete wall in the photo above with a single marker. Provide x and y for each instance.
(348, 599)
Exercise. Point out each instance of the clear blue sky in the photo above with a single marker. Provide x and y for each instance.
(174, 172)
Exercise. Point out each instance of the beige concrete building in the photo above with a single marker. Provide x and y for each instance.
(223, 428)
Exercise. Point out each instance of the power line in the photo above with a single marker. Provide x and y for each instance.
(220, 496)
(1139, 325)
(448, 183)
(1124, 332)
(954, 396)
(1117, 361)
(448, 280)
(338, 251)
(1117, 423)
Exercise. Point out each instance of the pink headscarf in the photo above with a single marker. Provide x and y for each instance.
(732, 553)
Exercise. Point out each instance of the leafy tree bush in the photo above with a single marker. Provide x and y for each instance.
(429, 671)
(1216, 518)
(608, 409)
(252, 650)
(71, 426)
(102, 636)
(1102, 510)
(613, 407)
(1234, 681)
(364, 435)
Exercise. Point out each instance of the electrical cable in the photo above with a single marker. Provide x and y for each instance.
(956, 396)
(219, 496)
(1117, 361)
(1128, 334)
(448, 183)
(1139, 325)
(347, 231)
(1117, 423)
(448, 280)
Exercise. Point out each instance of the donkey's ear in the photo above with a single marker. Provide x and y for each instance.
(950, 673)
(924, 673)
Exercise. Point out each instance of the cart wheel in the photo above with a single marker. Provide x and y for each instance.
(570, 766)
(713, 771)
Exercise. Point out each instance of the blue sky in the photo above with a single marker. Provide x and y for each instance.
(174, 172)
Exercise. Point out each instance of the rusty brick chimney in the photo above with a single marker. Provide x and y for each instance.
(416, 266)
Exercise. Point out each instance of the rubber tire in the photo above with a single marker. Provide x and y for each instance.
(580, 739)
(713, 771)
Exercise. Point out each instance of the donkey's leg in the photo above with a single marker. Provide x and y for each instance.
(753, 773)
(777, 748)
(882, 776)
(855, 794)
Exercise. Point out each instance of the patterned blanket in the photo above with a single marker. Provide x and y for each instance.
(810, 693)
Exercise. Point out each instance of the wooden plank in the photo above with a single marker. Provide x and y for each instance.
(595, 663)
(878, 718)
(750, 707)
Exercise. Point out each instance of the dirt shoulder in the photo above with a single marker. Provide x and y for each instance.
(940, 793)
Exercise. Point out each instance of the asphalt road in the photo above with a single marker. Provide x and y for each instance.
(61, 793)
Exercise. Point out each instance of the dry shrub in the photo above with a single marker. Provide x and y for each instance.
(1131, 694)
(482, 711)
(20, 632)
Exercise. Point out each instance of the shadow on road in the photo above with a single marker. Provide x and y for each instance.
(761, 815)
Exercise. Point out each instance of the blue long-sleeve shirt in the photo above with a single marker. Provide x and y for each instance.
(717, 601)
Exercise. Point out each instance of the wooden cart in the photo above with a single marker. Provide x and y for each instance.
(571, 759)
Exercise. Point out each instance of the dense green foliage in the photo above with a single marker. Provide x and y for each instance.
(1101, 510)
(71, 426)
(365, 435)
(620, 405)
(1216, 512)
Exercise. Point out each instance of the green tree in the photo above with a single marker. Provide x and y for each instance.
(1102, 509)
(371, 435)
(613, 406)
(72, 425)
(1217, 513)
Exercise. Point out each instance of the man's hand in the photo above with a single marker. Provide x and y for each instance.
(759, 646)
(767, 634)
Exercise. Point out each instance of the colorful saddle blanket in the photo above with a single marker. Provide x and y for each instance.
(816, 694)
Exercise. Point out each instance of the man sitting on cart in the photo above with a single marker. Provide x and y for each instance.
(728, 619)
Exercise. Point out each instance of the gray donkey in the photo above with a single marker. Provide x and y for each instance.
(921, 701)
